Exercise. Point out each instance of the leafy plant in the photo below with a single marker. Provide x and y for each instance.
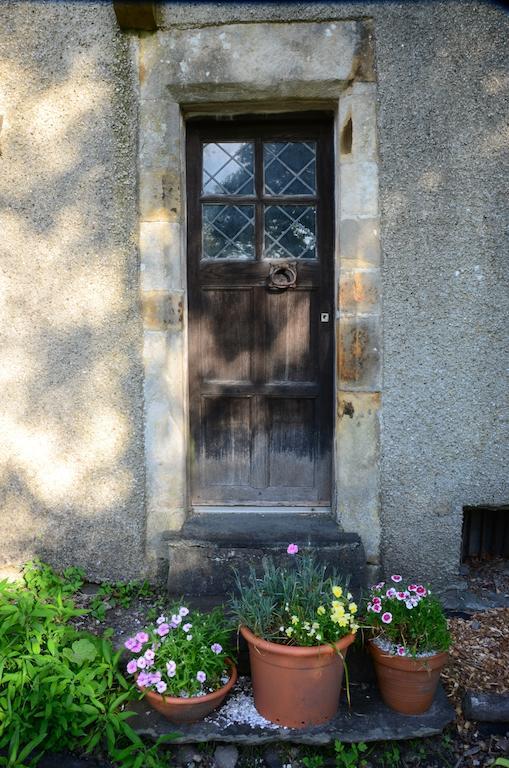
(313, 761)
(111, 594)
(59, 688)
(409, 618)
(391, 756)
(296, 605)
(184, 654)
(503, 762)
(350, 755)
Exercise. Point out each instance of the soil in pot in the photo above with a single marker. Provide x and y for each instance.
(296, 686)
(407, 685)
(180, 710)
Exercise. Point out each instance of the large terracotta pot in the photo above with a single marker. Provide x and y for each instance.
(407, 685)
(296, 686)
(179, 710)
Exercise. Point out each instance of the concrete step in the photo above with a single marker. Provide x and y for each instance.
(204, 553)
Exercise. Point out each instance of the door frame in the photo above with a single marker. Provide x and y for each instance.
(319, 125)
(339, 74)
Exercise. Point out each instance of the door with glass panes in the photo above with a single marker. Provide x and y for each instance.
(260, 287)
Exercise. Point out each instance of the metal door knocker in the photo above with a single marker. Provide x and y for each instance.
(282, 276)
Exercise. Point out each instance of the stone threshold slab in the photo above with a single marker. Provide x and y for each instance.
(369, 719)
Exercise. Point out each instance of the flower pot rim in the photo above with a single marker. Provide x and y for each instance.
(408, 662)
(296, 650)
(181, 701)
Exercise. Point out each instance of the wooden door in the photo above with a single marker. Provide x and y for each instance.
(260, 280)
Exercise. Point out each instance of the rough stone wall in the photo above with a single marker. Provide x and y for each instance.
(443, 97)
(72, 484)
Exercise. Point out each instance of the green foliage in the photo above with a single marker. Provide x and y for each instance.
(503, 762)
(111, 594)
(298, 605)
(59, 688)
(350, 755)
(313, 761)
(391, 756)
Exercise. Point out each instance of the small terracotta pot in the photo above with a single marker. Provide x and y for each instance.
(179, 710)
(296, 686)
(407, 685)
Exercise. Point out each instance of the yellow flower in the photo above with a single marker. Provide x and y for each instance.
(320, 610)
(342, 621)
(337, 591)
(307, 625)
(315, 625)
(338, 608)
(354, 627)
(352, 608)
(289, 631)
(295, 619)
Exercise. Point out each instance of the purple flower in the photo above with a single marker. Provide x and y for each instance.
(216, 648)
(141, 663)
(161, 620)
(187, 627)
(130, 643)
(132, 667)
(143, 680)
(154, 678)
(201, 676)
(391, 592)
(176, 619)
(142, 637)
(183, 611)
(171, 668)
(149, 654)
(292, 549)
(163, 629)
(161, 686)
(136, 647)
(400, 650)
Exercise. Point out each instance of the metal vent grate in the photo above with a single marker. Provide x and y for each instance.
(485, 532)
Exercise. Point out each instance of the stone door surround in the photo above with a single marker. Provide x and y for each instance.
(247, 69)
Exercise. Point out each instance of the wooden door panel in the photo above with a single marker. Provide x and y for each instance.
(290, 354)
(226, 334)
(292, 443)
(225, 442)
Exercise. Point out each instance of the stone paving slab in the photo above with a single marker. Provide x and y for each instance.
(369, 719)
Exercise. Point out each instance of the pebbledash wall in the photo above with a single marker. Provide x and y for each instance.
(94, 441)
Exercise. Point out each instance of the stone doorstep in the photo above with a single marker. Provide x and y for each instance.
(368, 720)
(204, 553)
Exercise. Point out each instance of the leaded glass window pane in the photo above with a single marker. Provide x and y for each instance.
(228, 231)
(290, 232)
(228, 168)
(290, 168)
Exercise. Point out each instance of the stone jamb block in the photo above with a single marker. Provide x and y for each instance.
(360, 108)
(160, 197)
(357, 478)
(160, 133)
(160, 256)
(359, 291)
(359, 189)
(358, 353)
(359, 242)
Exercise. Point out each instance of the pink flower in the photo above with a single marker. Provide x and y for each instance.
(154, 678)
(149, 654)
(216, 648)
(132, 667)
(292, 549)
(380, 585)
(201, 676)
(143, 680)
(161, 686)
(377, 608)
(387, 617)
(163, 629)
(130, 643)
(391, 592)
(176, 619)
(421, 591)
(396, 578)
(400, 595)
(183, 611)
(376, 601)
(187, 627)
(142, 637)
(141, 663)
(400, 650)
(412, 587)
(136, 647)
(161, 620)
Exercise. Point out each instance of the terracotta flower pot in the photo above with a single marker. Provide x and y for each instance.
(296, 686)
(179, 710)
(407, 685)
